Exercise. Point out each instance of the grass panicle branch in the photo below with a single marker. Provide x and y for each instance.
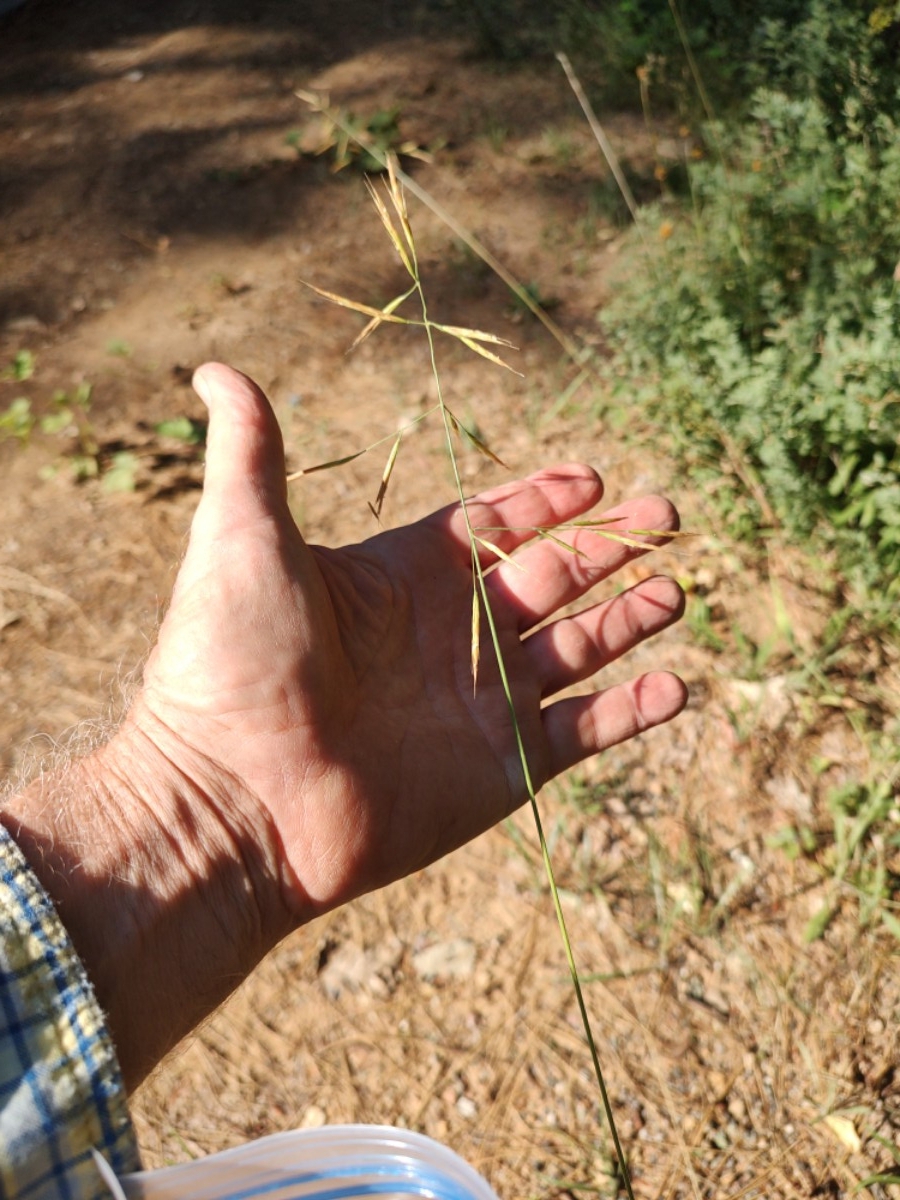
(578, 354)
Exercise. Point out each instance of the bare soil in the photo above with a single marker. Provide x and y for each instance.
(154, 214)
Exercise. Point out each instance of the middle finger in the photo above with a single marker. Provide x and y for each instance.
(547, 575)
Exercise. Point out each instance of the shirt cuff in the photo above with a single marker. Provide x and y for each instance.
(61, 1090)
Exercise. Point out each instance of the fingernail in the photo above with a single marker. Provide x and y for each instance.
(201, 386)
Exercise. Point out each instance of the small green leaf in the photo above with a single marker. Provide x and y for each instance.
(18, 420)
(786, 840)
(21, 367)
(84, 466)
(183, 429)
(120, 477)
(57, 422)
(817, 924)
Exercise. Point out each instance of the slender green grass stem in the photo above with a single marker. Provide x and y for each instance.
(692, 62)
(404, 244)
(480, 583)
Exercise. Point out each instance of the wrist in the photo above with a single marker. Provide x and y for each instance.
(168, 897)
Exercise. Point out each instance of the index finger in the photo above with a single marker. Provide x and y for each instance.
(510, 515)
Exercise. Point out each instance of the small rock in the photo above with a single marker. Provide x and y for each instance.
(353, 968)
(790, 797)
(25, 324)
(770, 699)
(454, 959)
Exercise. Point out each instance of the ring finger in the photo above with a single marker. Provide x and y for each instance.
(574, 648)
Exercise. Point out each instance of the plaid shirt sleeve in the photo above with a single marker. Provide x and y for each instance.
(61, 1093)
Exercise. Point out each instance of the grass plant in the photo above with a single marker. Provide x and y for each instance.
(21, 368)
(394, 217)
(358, 142)
(572, 348)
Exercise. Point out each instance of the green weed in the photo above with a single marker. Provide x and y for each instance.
(358, 142)
(698, 618)
(534, 296)
(183, 429)
(861, 854)
(17, 421)
(497, 134)
(764, 328)
(883, 1178)
(84, 457)
(21, 368)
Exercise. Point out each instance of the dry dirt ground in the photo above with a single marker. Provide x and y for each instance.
(154, 213)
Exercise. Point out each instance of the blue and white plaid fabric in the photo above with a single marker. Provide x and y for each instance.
(61, 1093)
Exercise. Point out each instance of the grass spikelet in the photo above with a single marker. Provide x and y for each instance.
(468, 337)
(388, 224)
(475, 335)
(326, 466)
(476, 628)
(386, 312)
(377, 314)
(462, 431)
(473, 345)
(599, 527)
(558, 541)
(348, 458)
(398, 199)
(386, 477)
(493, 548)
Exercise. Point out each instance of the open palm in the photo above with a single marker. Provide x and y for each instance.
(333, 689)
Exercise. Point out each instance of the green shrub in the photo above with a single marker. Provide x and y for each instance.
(825, 49)
(766, 325)
(831, 52)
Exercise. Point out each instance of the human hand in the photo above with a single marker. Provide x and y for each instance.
(333, 689)
(308, 730)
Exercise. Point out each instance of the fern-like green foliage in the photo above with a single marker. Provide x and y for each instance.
(765, 325)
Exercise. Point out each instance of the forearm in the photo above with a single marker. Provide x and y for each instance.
(168, 904)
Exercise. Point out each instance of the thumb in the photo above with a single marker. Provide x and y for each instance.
(245, 476)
